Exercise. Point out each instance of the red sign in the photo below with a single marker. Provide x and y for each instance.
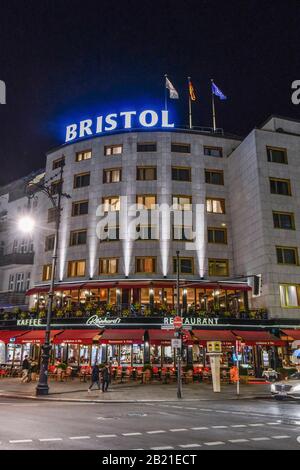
(177, 322)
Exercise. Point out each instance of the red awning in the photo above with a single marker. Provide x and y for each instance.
(77, 337)
(226, 336)
(9, 336)
(263, 338)
(295, 334)
(120, 336)
(36, 336)
(165, 336)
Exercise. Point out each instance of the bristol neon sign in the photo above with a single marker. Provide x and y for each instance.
(113, 122)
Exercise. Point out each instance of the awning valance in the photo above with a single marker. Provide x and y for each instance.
(11, 336)
(263, 338)
(36, 336)
(77, 337)
(226, 336)
(293, 334)
(120, 336)
(165, 336)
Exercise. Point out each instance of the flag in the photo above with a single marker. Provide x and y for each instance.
(173, 93)
(192, 91)
(216, 91)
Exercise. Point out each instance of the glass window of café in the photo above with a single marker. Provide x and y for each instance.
(13, 353)
(167, 355)
(155, 355)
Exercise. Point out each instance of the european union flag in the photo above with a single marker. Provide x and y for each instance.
(216, 91)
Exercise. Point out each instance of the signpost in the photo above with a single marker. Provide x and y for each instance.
(238, 350)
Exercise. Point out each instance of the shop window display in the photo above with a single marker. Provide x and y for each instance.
(125, 355)
(168, 358)
(137, 354)
(84, 355)
(13, 353)
(155, 355)
(113, 354)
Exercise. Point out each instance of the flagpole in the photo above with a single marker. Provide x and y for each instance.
(213, 107)
(190, 106)
(166, 94)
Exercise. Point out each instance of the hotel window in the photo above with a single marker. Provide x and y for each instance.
(28, 277)
(84, 155)
(108, 266)
(146, 147)
(277, 155)
(113, 175)
(214, 177)
(280, 186)
(287, 255)
(52, 214)
(183, 232)
(145, 265)
(56, 187)
(218, 267)
(180, 148)
(110, 233)
(148, 201)
(76, 268)
(113, 150)
(146, 173)
(213, 152)
(80, 208)
(78, 237)
(49, 243)
(289, 295)
(111, 204)
(82, 180)
(183, 203)
(186, 265)
(215, 206)
(47, 270)
(147, 232)
(11, 283)
(181, 174)
(217, 235)
(58, 163)
(284, 220)
(19, 282)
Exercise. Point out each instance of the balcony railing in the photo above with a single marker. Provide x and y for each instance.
(16, 258)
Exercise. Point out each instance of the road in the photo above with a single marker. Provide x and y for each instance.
(197, 425)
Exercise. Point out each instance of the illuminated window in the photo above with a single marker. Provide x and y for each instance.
(287, 255)
(146, 147)
(112, 175)
(217, 235)
(108, 266)
(213, 152)
(218, 267)
(109, 233)
(111, 204)
(148, 201)
(280, 186)
(186, 265)
(289, 295)
(146, 173)
(145, 265)
(180, 148)
(47, 271)
(181, 174)
(82, 180)
(78, 237)
(215, 206)
(58, 163)
(76, 268)
(277, 155)
(49, 243)
(85, 155)
(80, 208)
(113, 150)
(182, 202)
(214, 177)
(147, 232)
(284, 220)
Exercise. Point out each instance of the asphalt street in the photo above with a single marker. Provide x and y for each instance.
(247, 424)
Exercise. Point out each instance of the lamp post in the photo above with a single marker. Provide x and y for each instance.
(55, 197)
(178, 313)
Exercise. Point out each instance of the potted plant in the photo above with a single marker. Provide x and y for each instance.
(42, 314)
(147, 369)
(78, 313)
(125, 312)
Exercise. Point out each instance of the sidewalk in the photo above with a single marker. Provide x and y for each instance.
(130, 393)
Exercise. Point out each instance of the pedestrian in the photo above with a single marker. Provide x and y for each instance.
(25, 369)
(105, 378)
(95, 377)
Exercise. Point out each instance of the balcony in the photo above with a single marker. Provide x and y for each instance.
(16, 258)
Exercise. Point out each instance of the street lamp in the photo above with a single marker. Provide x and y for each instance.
(178, 313)
(55, 197)
(26, 224)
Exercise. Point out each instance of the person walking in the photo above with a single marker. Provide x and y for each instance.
(25, 370)
(105, 378)
(95, 377)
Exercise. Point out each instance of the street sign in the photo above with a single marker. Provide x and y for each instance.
(214, 346)
(178, 322)
(176, 343)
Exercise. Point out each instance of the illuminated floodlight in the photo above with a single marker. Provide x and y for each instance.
(26, 224)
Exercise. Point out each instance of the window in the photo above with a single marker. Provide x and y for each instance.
(11, 282)
(214, 177)
(78, 237)
(84, 155)
(113, 150)
(15, 246)
(183, 232)
(82, 180)
(47, 271)
(80, 208)
(52, 214)
(146, 147)
(56, 187)
(215, 206)
(280, 186)
(183, 203)
(289, 295)
(28, 277)
(186, 265)
(218, 267)
(145, 265)
(146, 173)
(181, 174)
(284, 220)
(49, 243)
(111, 203)
(180, 148)
(147, 232)
(213, 151)
(112, 176)
(217, 235)
(287, 255)
(108, 266)
(76, 268)
(20, 282)
(58, 163)
(110, 233)
(277, 155)
(148, 201)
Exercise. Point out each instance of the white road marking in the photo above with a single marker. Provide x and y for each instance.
(190, 408)
(199, 429)
(187, 446)
(280, 437)
(20, 441)
(205, 409)
(178, 430)
(236, 441)
(106, 435)
(179, 407)
(51, 439)
(131, 434)
(156, 432)
(219, 427)
(216, 443)
(255, 425)
(162, 448)
(79, 437)
(273, 424)
(220, 411)
(238, 426)
(260, 439)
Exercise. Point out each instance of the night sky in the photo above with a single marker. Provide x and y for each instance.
(62, 59)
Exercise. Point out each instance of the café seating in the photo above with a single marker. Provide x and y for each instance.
(85, 373)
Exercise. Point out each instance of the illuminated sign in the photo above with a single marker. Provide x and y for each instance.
(114, 121)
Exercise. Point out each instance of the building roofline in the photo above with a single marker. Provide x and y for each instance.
(277, 116)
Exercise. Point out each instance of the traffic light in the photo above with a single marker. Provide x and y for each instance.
(257, 285)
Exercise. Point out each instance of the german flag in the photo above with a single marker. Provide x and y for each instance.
(191, 91)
